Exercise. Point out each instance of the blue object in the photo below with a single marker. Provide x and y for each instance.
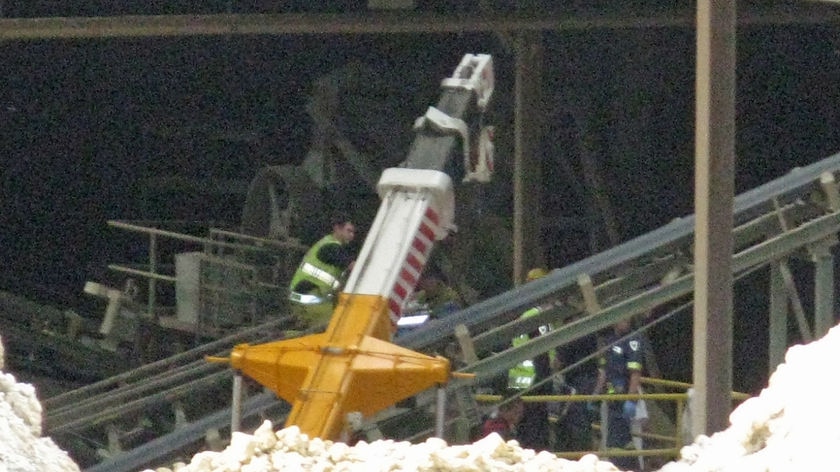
(629, 409)
(593, 410)
(446, 309)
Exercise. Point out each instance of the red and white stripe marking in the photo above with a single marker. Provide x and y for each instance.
(412, 267)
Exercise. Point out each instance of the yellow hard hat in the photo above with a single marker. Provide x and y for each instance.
(536, 273)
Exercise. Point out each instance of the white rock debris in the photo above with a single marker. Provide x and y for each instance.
(790, 426)
(288, 450)
(22, 449)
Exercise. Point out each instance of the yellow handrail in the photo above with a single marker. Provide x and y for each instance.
(680, 400)
(686, 386)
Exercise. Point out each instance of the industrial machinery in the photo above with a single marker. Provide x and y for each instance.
(327, 375)
(776, 226)
(353, 367)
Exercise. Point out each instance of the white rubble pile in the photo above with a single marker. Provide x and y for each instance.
(289, 450)
(22, 449)
(790, 427)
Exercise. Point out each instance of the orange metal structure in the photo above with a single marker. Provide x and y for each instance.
(348, 368)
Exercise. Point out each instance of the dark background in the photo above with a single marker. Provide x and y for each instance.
(84, 122)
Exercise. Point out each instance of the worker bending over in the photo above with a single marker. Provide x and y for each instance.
(321, 273)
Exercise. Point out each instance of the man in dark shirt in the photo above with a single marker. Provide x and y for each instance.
(572, 421)
(620, 372)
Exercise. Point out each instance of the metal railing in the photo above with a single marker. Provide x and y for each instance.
(673, 438)
(262, 265)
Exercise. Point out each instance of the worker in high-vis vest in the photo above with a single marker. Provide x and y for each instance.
(313, 289)
(523, 376)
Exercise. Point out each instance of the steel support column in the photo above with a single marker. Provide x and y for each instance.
(823, 289)
(526, 171)
(714, 197)
(236, 403)
(777, 336)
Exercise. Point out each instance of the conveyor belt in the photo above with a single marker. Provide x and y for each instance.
(153, 451)
(787, 216)
(677, 236)
(119, 412)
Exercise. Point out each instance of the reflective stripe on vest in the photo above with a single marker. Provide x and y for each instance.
(305, 299)
(324, 276)
(319, 274)
(522, 375)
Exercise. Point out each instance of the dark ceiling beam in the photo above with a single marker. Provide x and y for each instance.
(377, 23)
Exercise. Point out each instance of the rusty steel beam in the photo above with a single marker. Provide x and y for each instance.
(139, 26)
